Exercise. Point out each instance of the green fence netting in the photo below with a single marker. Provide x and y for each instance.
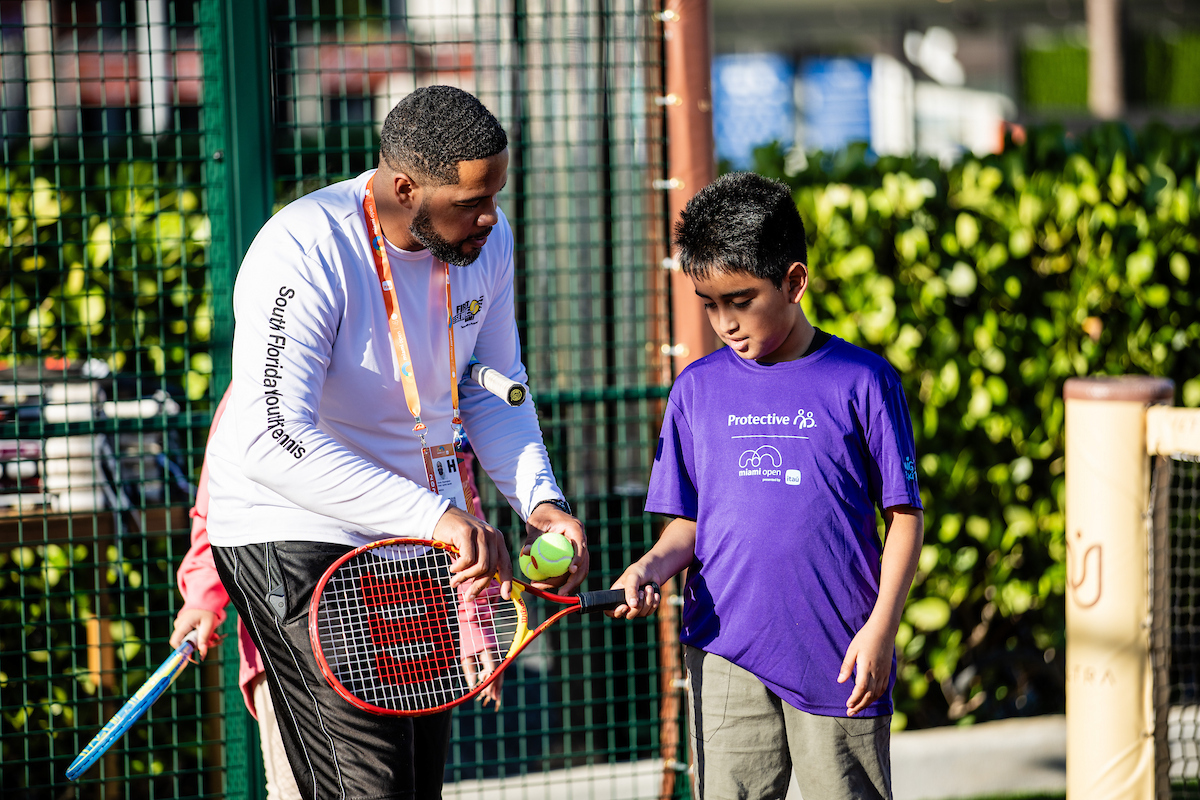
(105, 331)
(131, 185)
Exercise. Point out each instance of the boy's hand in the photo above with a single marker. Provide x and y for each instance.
(869, 657)
(640, 600)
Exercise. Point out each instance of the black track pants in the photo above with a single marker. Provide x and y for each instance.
(337, 751)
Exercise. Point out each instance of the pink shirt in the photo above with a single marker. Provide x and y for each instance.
(201, 586)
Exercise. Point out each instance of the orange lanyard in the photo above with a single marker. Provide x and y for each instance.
(399, 342)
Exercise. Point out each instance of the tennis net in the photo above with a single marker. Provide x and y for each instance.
(1175, 599)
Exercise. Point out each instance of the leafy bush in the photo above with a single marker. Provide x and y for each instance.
(987, 285)
(108, 262)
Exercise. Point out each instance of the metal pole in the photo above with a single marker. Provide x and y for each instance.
(1110, 717)
(687, 26)
(250, 163)
(39, 70)
(237, 109)
(1106, 89)
(153, 60)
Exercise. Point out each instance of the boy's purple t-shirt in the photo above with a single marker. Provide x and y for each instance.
(783, 467)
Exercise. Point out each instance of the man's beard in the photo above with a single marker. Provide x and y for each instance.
(422, 230)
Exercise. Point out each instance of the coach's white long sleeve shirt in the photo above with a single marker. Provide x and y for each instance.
(317, 443)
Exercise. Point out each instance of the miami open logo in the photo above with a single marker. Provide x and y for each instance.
(764, 462)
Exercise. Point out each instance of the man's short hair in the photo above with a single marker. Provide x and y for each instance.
(434, 128)
(741, 222)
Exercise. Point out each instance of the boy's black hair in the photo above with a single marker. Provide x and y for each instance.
(741, 222)
(434, 128)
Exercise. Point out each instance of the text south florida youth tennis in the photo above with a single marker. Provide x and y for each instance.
(272, 373)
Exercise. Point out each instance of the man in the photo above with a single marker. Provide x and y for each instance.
(357, 307)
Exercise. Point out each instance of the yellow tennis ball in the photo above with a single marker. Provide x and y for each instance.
(552, 554)
(529, 568)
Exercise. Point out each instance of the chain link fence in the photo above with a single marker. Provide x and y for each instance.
(131, 186)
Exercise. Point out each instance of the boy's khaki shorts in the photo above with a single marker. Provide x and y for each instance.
(747, 741)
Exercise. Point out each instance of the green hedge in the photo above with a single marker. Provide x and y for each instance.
(1160, 71)
(987, 285)
(1172, 71)
(1055, 78)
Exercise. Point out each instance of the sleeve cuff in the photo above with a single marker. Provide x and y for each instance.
(540, 495)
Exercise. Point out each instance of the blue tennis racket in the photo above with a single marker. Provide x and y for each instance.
(133, 709)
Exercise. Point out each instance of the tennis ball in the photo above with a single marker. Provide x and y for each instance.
(551, 554)
(530, 570)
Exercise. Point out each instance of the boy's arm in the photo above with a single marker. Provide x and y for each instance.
(870, 652)
(671, 554)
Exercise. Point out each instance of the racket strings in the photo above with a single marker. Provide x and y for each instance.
(397, 636)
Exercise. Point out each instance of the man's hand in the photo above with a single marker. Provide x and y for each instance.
(482, 552)
(869, 656)
(204, 622)
(546, 518)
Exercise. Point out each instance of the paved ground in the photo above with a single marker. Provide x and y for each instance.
(1011, 757)
(1017, 756)
(992, 759)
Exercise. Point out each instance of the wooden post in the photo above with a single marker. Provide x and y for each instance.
(691, 163)
(1110, 717)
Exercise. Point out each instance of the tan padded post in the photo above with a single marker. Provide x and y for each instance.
(1110, 721)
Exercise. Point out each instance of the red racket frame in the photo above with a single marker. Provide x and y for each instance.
(585, 601)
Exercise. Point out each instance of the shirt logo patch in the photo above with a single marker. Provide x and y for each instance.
(910, 469)
(465, 313)
(755, 458)
(765, 463)
(792, 478)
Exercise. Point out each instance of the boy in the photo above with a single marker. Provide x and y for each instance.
(775, 452)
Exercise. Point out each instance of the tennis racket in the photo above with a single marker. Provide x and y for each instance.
(499, 384)
(393, 637)
(133, 709)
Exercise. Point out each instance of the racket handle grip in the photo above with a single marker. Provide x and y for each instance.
(605, 600)
(499, 384)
